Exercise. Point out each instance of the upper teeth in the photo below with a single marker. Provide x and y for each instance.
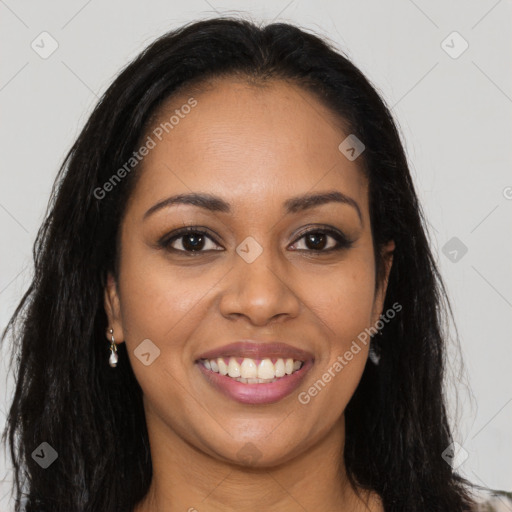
(250, 369)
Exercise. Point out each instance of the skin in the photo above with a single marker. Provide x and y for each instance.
(254, 146)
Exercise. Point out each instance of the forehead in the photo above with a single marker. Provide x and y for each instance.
(247, 141)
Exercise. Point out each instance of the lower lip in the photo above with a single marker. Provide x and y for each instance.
(268, 393)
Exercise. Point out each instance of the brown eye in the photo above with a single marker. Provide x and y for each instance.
(190, 241)
(315, 241)
(321, 240)
(193, 242)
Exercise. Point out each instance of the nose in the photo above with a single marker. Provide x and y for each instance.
(258, 293)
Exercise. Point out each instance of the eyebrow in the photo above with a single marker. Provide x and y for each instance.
(295, 204)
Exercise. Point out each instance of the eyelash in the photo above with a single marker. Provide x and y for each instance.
(342, 241)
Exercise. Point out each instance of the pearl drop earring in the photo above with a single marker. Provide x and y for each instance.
(112, 360)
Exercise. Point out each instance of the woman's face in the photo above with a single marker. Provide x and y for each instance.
(266, 165)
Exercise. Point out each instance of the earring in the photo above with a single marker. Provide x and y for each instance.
(373, 356)
(372, 353)
(112, 360)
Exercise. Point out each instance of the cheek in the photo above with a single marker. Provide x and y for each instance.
(338, 374)
(343, 303)
(156, 297)
(164, 305)
(344, 299)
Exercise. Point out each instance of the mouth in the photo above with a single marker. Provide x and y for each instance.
(255, 373)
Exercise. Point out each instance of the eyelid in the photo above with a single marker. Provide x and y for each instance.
(318, 227)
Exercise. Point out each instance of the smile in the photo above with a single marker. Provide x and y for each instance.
(254, 390)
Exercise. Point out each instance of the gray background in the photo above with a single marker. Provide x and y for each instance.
(454, 115)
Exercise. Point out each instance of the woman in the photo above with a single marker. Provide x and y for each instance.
(235, 306)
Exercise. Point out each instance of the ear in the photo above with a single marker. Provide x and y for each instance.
(380, 294)
(113, 310)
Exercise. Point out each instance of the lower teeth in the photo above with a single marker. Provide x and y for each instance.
(253, 381)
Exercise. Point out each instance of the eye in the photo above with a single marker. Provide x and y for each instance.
(321, 240)
(195, 240)
(190, 240)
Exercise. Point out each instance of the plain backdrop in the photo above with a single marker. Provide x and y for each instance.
(453, 105)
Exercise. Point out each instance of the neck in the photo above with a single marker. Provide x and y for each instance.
(187, 479)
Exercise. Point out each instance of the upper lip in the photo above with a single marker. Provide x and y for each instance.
(255, 350)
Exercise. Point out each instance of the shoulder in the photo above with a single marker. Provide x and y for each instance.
(488, 500)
